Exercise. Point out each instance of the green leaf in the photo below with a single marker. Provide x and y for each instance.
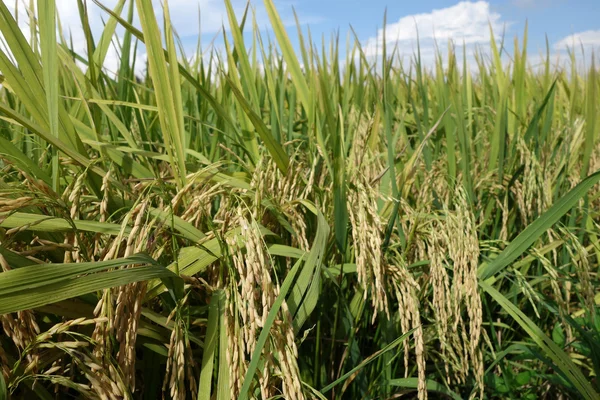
(591, 117)
(398, 341)
(221, 111)
(266, 330)
(59, 144)
(215, 311)
(43, 223)
(558, 335)
(289, 56)
(526, 238)
(38, 285)
(3, 392)
(106, 38)
(523, 378)
(193, 260)
(223, 392)
(11, 153)
(305, 292)
(274, 148)
(188, 230)
(432, 386)
(38, 275)
(555, 353)
(166, 86)
(47, 24)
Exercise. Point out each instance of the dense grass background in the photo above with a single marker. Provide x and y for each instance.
(264, 224)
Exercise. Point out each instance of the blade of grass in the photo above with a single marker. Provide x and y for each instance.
(304, 296)
(398, 341)
(275, 149)
(266, 330)
(556, 354)
(168, 110)
(47, 24)
(41, 284)
(432, 386)
(533, 231)
(215, 310)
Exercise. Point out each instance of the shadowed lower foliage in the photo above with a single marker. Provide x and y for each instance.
(255, 224)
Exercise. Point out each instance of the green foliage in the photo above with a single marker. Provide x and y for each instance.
(256, 223)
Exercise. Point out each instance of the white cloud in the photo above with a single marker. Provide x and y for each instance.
(587, 39)
(466, 22)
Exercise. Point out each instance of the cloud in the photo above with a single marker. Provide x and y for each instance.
(466, 22)
(587, 39)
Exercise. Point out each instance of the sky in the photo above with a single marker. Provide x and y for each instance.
(563, 22)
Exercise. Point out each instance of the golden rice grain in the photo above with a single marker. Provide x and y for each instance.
(367, 234)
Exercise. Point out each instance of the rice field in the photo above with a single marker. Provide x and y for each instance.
(293, 221)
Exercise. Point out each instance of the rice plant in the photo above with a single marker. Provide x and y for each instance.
(260, 222)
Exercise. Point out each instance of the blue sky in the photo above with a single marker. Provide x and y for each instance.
(556, 18)
(564, 21)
